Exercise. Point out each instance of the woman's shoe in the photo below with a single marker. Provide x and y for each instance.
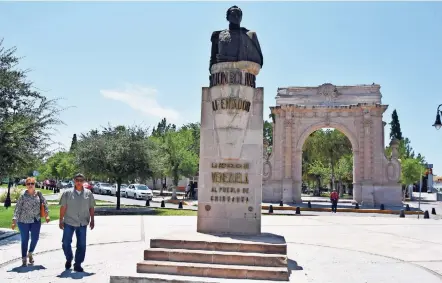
(31, 258)
(24, 263)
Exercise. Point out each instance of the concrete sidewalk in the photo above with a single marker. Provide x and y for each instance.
(353, 249)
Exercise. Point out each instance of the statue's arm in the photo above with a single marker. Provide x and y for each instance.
(214, 39)
(258, 47)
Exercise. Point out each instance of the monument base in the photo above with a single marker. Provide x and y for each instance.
(259, 257)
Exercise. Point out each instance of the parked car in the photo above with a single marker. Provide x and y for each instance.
(103, 188)
(139, 191)
(88, 186)
(122, 190)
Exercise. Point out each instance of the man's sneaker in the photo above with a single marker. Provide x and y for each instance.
(78, 268)
(68, 264)
(24, 262)
(31, 258)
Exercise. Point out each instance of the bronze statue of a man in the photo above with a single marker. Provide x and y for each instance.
(235, 43)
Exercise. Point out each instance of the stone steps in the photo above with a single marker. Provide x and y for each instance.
(221, 246)
(214, 270)
(216, 257)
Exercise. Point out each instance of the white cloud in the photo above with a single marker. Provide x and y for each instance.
(144, 100)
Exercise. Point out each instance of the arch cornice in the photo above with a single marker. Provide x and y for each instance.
(323, 124)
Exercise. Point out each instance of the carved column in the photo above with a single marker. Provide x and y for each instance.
(383, 133)
(287, 184)
(357, 173)
(368, 149)
(288, 149)
(297, 176)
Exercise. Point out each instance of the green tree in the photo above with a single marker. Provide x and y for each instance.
(160, 131)
(268, 133)
(326, 146)
(158, 165)
(73, 142)
(395, 127)
(181, 161)
(412, 169)
(195, 130)
(27, 118)
(119, 153)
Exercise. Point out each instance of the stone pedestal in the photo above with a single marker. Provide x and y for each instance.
(230, 168)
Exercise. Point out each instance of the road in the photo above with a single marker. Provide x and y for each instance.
(156, 202)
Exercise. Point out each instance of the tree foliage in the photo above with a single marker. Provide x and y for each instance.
(322, 152)
(119, 153)
(27, 117)
(73, 142)
(395, 127)
(60, 165)
(268, 132)
(412, 169)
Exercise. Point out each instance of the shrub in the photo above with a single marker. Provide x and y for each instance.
(15, 194)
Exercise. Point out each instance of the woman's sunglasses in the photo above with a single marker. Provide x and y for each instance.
(30, 184)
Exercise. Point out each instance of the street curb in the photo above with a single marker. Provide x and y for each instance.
(318, 209)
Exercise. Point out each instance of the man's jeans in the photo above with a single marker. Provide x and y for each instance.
(80, 233)
(334, 205)
(25, 228)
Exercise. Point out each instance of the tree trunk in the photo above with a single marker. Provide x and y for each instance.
(154, 182)
(175, 181)
(332, 171)
(162, 186)
(118, 192)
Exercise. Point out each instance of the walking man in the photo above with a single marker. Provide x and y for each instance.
(76, 212)
(334, 199)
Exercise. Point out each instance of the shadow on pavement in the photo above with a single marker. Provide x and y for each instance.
(293, 266)
(74, 275)
(25, 269)
(10, 240)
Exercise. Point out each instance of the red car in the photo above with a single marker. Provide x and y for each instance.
(88, 186)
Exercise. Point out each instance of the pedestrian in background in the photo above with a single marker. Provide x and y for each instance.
(30, 207)
(334, 197)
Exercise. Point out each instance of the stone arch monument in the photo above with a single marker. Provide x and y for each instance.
(356, 111)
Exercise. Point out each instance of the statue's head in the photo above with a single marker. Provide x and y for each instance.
(234, 15)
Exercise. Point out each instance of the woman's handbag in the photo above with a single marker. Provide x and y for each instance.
(42, 206)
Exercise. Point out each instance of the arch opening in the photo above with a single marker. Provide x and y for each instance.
(327, 163)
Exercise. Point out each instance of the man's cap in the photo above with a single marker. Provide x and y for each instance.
(79, 175)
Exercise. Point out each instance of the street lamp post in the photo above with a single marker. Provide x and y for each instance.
(437, 124)
(8, 196)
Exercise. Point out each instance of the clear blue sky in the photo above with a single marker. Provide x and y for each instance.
(133, 63)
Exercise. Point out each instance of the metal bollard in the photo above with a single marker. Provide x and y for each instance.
(402, 214)
(163, 204)
(271, 209)
(147, 202)
(298, 210)
(357, 206)
(309, 204)
(433, 211)
(426, 215)
(180, 205)
(281, 203)
(407, 207)
(382, 207)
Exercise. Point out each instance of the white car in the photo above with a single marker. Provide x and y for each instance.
(103, 188)
(122, 190)
(139, 191)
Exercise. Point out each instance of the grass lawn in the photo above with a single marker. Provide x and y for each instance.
(6, 215)
(174, 212)
(46, 192)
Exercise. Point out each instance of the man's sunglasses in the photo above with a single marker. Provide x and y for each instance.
(30, 184)
(79, 180)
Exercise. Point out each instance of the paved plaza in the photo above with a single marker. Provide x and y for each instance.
(322, 249)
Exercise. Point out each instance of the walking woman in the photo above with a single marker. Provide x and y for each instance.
(28, 211)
